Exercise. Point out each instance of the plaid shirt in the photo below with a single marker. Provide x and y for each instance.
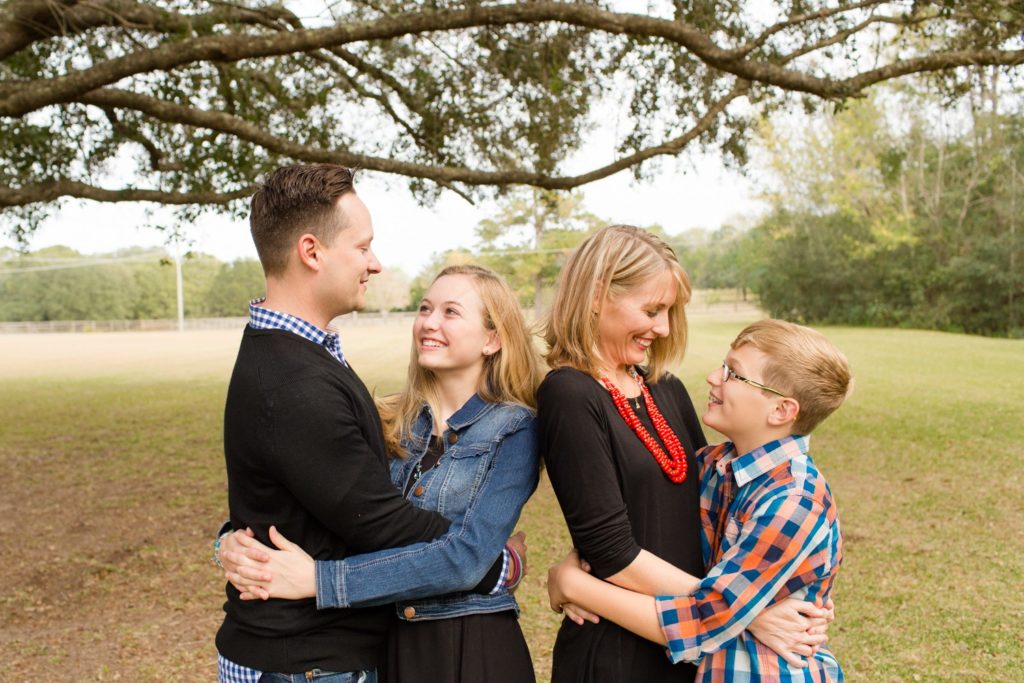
(770, 531)
(265, 319)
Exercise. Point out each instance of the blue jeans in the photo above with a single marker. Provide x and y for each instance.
(321, 677)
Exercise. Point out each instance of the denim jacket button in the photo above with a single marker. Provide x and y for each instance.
(418, 492)
(453, 437)
(409, 612)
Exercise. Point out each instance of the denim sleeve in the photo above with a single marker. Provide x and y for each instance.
(456, 561)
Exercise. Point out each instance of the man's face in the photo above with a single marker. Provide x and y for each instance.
(349, 261)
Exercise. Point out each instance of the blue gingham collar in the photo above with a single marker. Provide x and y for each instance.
(749, 466)
(261, 318)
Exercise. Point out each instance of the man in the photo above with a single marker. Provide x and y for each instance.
(302, 437)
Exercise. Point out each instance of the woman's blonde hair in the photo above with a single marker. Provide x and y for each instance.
(607, 265)
(510, 375)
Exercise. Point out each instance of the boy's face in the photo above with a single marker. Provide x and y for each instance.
(736, 409)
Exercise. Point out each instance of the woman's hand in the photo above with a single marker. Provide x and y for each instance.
(794, 629)
(259, 572)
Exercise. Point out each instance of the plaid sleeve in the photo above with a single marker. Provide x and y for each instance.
(785, 535)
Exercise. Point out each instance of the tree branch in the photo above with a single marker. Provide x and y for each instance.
(28, 21)
(244, 130)
(156, 157)
(19, 98)
(790, 22)
(50, 191)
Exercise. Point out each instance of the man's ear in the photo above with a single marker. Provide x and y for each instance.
(784, 413)
(307, 247)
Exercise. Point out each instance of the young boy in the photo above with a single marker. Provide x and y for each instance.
(770, 527)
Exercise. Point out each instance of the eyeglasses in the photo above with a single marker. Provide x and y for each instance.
(727, 373)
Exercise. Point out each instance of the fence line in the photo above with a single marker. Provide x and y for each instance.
(170, 324)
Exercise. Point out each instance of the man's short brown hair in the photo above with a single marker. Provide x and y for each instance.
(803, 364)
(292, 201)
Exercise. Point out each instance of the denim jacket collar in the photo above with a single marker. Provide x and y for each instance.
(471, 411)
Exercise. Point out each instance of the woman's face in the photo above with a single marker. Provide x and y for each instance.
(627, 325)
(449, 331)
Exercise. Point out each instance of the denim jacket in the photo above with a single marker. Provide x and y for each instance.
(488, 471)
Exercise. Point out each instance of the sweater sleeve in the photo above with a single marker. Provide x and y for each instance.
(578, 454)
(322, 455)
(453, 562)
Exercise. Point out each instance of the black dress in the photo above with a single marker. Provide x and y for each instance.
(474, 648)
(617, 501)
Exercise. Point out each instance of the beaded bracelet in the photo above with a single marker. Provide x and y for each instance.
(515, 569)
(215, 560)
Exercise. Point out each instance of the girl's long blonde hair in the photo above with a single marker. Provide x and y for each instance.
(607, 265)
(510, 375)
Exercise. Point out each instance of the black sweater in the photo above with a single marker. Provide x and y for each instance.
(305, 452)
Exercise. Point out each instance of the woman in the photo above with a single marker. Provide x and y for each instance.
(464, 440)
(618, 436)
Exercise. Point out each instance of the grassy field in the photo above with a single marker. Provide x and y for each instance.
(112, 482)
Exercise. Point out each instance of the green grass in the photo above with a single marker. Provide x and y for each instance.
(112, 482)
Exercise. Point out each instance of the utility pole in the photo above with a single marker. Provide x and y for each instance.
(176, 237)
(1013, 238)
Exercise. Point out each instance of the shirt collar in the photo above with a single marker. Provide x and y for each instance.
(261, 318)
(763, 459)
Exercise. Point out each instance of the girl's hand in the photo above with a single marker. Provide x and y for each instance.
(794, 629)
(261, 572)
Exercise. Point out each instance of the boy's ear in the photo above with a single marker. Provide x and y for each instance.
(785, 412)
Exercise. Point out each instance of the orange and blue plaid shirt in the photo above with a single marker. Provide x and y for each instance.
(770, 531)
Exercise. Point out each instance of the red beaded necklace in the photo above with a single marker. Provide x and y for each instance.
(673, 464)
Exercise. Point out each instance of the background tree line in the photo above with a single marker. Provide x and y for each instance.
(895, 212)
(58, 283)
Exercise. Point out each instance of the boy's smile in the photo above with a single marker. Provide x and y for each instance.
(737, 409)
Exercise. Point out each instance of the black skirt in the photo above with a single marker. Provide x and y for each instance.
(475, 648)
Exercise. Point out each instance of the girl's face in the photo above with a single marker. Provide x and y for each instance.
(449, 331)
(627, 325)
